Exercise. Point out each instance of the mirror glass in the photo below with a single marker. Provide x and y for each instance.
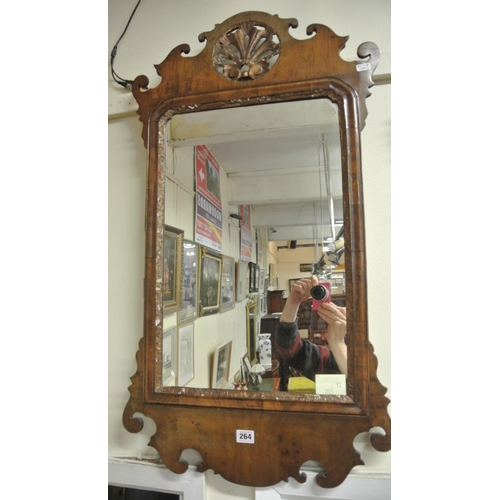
(282, 162)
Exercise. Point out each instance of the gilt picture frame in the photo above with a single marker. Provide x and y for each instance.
(171, 268)
(209, 282)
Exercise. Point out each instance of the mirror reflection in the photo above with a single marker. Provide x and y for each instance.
(257, 193)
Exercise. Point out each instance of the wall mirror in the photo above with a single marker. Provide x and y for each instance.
(283, 160)
(250, 62)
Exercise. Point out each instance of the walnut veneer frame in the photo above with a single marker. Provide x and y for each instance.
(266, 65)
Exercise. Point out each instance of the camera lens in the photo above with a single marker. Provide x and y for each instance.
(319, 292)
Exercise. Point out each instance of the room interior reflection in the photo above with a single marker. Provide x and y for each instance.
(295, 148)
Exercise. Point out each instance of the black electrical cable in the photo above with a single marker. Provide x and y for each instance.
(118, 79)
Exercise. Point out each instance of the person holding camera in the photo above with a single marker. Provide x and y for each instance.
(302, 354)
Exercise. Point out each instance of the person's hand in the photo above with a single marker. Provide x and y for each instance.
(335, 316)
(300, 291)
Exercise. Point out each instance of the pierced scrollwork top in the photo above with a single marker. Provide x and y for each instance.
(245, 48)
(246, 51)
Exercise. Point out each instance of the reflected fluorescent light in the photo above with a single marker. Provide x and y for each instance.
(334, 246)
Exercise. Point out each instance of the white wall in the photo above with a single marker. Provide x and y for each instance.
(180, 213)
(157, 28)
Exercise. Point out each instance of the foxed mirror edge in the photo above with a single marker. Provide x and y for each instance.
(227, 398)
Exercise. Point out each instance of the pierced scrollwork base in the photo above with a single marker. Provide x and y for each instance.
(283, 441)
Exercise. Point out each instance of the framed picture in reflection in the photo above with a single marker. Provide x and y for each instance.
(263, 304)
(245, 368)
(171, 268)
(189, 292)
(169, 357)
(185, 354)
(227, 283)
(254, 277)
(241, 280)
(251, 277)
(221, 365)
(209, 282)
(262, 280)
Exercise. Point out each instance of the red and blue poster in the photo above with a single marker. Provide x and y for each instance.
(208, 225)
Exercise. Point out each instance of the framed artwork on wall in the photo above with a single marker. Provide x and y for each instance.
(251, 326)
(263, 307)
(251, 277)
(185, 358)
(169, 357)
(189, 289)
(241, 280)
(172, 267)
(245, 368)
(221, 365)
(273, 277)
(262, 278)
(227, 283)
(263, 304)
(209, 282)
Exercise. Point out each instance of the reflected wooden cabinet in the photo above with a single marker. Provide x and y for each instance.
(276, 301)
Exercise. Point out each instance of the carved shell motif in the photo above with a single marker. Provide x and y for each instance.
(246, 51)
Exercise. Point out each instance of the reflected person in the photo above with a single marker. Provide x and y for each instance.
(305, 356)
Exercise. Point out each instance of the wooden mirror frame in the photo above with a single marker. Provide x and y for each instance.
(289, 429)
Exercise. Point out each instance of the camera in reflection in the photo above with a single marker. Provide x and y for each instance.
(320, 293)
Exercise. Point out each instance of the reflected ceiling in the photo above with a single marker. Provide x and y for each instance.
(274, 156)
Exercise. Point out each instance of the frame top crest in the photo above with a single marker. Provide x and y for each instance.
(200, 79)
